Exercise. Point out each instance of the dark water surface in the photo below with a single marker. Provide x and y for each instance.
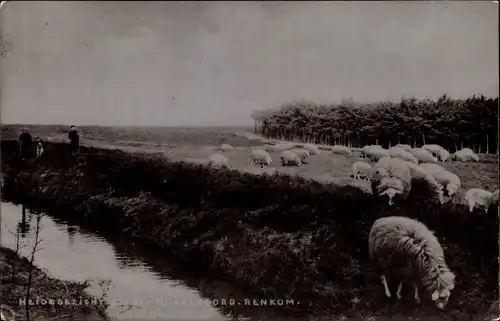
(139, 284)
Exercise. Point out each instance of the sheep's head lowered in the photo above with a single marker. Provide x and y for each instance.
(452, 189)
(391, 192)
(445, 283)
(391, 176)
(390, 186)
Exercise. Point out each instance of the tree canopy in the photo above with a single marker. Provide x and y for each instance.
(471, 122)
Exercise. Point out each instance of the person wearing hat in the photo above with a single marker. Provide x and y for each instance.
(74, 139)
(25, 145)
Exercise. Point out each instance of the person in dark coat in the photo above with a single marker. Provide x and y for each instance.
(74, 139)
(25, 145)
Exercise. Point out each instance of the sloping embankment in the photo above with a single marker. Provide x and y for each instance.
(281, 236)
(73, 304)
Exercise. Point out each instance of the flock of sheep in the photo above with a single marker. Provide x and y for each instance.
(391, 175)
(396, 241)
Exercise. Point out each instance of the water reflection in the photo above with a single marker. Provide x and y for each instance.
(71, 235)
(89, 256)
(23, 226)
(140, 281)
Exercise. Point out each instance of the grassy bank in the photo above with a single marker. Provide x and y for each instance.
(73, 306)
(278, 235)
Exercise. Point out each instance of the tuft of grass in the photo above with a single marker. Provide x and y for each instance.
(280, 235)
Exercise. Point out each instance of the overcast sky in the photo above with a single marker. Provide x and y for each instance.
(212, 63)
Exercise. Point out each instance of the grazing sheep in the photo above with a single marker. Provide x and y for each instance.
(303, 154)
(375, 153)
(401, 153)
(226, 147)
(368, 147)
(467, 150)
(443, 155)
(280, 147)
(465, 155)
(407, 250)
(423, 155)
(478, 197)
(437, 151)
(390, 186)
(39, 150)
(218, 161)
(416, 171)
(261, 157)
(389, 167)
(312, 148)
(404, 146)
(289, 158)
(361, 168)
(395, 149)
(433, 148)
(448, 180)
(340, 149)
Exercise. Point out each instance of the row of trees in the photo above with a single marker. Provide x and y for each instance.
(471, 122)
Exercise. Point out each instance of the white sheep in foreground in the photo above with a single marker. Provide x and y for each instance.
(361, 169)
(218, 161)
(289, 158)
(438, 151)
(39, 150)
(401, 153)
(423, 155)
(416, 171)
(407, 250)
(302, 153)
(465, 155)
(260, 157)
(404, 146)
(312, 148)
(478, 197)
(447, 179)
(226, 147)
(374, 153)
(340, 149)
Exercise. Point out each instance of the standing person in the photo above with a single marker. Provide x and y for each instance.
(25, 145)
(74, 139)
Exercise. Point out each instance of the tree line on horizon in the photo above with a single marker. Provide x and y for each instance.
(451, 123)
